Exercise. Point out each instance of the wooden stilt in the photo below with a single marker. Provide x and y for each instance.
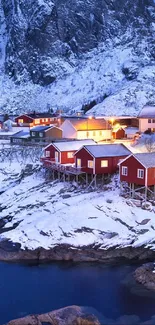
(102, 178)
(133, 190)
(121, 188)
(145, 193)
(86, 179)
(95, 180)
(77, 178)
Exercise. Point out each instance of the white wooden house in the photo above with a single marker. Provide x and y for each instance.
(96, 129)
(147, 118)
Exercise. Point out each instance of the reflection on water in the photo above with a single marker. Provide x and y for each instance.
(109, 290)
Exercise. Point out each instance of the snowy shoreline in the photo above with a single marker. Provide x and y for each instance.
(10, 252)
(51, 221)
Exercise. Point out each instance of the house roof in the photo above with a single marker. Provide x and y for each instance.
(131, 130)
(90, 124)
(116, 129)
(107, 150)
(148, 111)
(71, 145)
(41, 128)
(37, 115)
(146, 159)
(21, 134)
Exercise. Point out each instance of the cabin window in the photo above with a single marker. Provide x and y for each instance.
(153, 121)
(140, 173)
(37, 121)
(78, 163)
(90, 164)
(33, 134)
(47, 154)
(149, 120)
(104, 163)
(88, 134)
(20, 120)
(56, 156)
(94, 133)
(124, 170)
(70, 154)
(41, 134)
(100, 133)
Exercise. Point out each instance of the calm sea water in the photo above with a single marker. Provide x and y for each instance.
(38, 289)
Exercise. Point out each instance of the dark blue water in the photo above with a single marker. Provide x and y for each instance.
(38, 289)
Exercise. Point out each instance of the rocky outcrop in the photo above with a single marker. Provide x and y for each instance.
(73, 315)
(12, 252)
(40, 32)
(145, 275)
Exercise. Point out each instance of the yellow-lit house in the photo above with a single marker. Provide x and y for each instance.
(87, 128)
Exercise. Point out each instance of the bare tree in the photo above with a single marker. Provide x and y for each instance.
(150, 143)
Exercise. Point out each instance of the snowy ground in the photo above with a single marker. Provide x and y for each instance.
(47, 217)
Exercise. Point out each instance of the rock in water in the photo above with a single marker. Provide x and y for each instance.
(73, 315)
(145, 275)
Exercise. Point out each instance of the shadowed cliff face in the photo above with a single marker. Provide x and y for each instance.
(40, 31)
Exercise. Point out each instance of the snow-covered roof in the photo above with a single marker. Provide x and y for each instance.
(21, 134)
(90, 124)
(108, 150)
(41, 128)
(148, 111)
(116, 129)
(36, 115)
(146, 159)
(131, 130)
(71, 145)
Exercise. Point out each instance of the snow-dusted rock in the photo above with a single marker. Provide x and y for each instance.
(147, 206)
(145, 275)
(66, 55)
(72, 315)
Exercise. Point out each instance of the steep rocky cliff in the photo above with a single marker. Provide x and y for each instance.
(76, 51)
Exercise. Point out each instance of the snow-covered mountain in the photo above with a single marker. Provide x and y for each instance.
(65, 54)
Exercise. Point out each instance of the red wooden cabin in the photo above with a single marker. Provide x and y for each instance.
(100, 159)
(62, 152)
(138, 169)
(34, 119)
(118, 133)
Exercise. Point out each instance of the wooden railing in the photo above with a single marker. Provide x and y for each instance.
(52, 164)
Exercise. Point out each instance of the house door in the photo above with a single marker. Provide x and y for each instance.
(78, 163)
(56, 156)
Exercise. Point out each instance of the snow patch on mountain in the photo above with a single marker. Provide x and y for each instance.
(119, 80)
(3, 39)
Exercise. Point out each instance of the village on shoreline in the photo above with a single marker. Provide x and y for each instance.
(101, 171)
(89, 149)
